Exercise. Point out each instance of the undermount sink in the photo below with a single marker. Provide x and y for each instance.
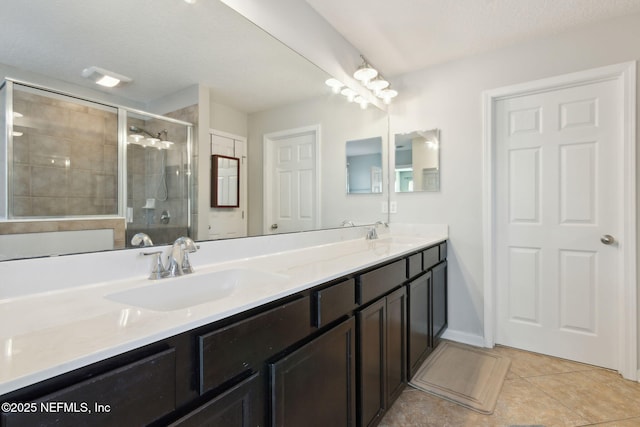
(194, 289)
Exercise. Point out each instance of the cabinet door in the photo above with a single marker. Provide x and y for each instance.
(134, 394)
(372, 362)
(396, 344)
(419, 328)
(315, 385)
(439, 307)
(241, 406)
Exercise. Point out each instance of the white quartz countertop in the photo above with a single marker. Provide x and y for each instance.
(49, 333)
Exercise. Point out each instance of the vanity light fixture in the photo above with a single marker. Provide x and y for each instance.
(349, 93)
(365, 72)
(388, 94)
(362, 101)
(373, 80)
(377, 85)
(104, 77)
(370, 78)
(334, 84)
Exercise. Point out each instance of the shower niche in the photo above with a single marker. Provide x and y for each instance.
(70, 164)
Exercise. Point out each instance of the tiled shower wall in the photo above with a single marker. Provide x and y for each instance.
(66, 160)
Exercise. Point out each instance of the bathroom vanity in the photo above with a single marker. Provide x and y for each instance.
(332, 342)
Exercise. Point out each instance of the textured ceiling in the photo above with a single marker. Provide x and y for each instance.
(164, 45)
(401, 36)
(168, 45)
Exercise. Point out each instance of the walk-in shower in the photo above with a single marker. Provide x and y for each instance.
(69, 164)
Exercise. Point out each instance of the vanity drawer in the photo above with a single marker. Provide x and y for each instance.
(414, 265)
(381, 280)
(443, 251)
(333, 302)
(242, 347)
(136, 394)
(430, 257)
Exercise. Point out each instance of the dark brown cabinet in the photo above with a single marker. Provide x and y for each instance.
(243, 347)
(338, 354)
(138, 392)
(372, 362)
(314, 386)
(381, 356)
(418, 341)
(440, 300)
(396, 344)
(241, 406)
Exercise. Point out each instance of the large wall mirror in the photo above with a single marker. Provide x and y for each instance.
(417, 164)
(233, 78)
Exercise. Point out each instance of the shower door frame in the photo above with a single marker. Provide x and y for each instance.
(6, 204)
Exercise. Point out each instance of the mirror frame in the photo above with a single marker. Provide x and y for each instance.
(215, 203)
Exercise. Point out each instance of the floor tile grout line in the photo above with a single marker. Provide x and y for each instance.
(609, 421)
(572, 410)
(557, 373)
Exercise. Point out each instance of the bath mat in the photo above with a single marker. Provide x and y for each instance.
(469, 376)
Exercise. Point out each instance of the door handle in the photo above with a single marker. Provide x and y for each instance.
(608, 239)
(274, 226)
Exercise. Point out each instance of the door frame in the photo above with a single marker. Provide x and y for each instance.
(269, 140)
(244, 176)
(627, 322)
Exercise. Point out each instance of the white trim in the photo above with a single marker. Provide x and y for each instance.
(625, 73)
(463, 337)
(267, 165)
(227, 135)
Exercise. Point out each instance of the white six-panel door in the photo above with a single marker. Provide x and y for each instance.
(556, 196)
(291, 181)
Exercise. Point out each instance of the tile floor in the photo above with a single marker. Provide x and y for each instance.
(538, 391)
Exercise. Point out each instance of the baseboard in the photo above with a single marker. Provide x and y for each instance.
(463, 337)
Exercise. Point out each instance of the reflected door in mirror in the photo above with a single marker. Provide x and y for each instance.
(225, 180)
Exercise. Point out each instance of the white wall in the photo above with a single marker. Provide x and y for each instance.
(449, 97)
(227, 119)
(340, 122)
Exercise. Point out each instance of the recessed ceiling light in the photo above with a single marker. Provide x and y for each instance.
(190, 1)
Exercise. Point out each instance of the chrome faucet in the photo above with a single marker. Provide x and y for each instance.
(178, 259)
(141, 240)
(372, 233)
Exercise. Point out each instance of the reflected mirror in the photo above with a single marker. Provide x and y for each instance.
(364, 166)
(417, 161)
(233, 80)
(225, 187)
